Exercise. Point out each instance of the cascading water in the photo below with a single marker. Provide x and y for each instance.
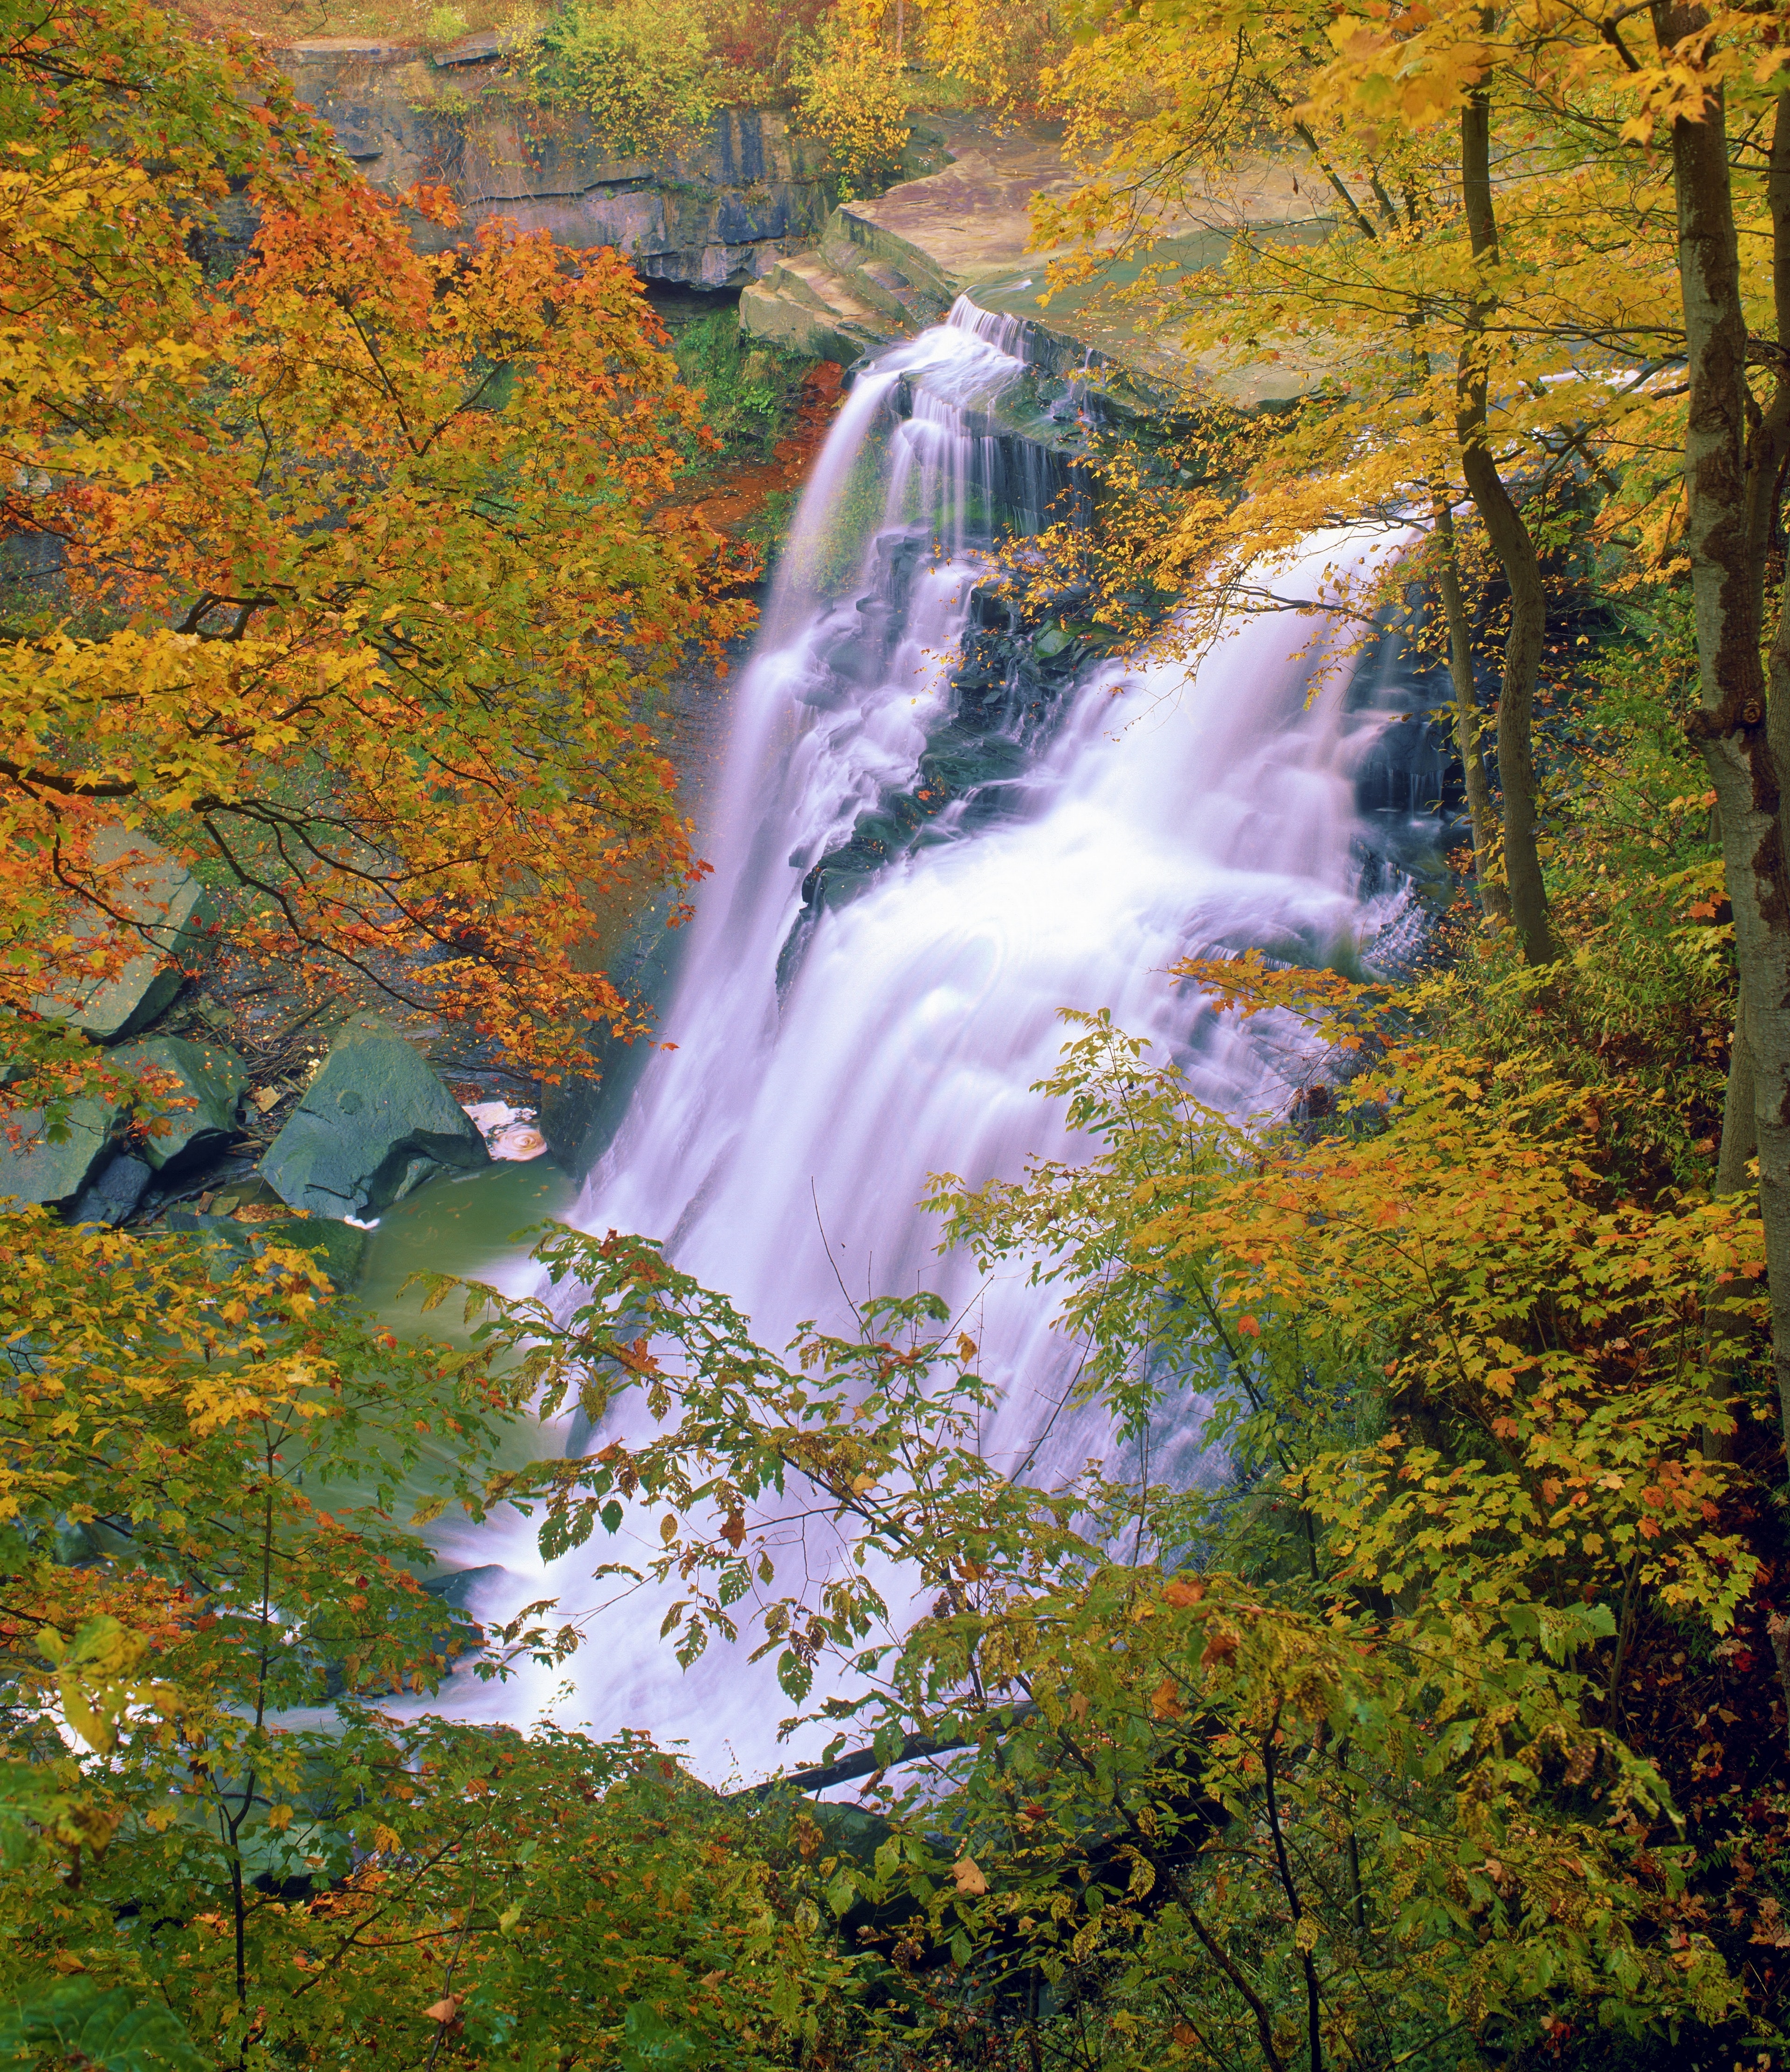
(827, 1058)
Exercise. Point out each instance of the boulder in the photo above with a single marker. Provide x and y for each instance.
(113, 1191)
(375, 1122)
(460, 1586)
(211, 1083)
(169, 916)
(32, 1169)
(338, 1248)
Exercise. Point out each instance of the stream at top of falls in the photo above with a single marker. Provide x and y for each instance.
(832, 1041)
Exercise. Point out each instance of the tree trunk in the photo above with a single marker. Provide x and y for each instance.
(1731, 727)
(1767, 448)
(1770, 451)
(1494, 899)
(1516, 554)
(1740, 1124)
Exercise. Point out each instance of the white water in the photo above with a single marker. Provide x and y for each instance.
(1173, 818)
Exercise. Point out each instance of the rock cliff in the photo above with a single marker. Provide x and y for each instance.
(719, 215)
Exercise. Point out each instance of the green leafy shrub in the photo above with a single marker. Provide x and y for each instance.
(749, 391)
(1639, 1011)
(444, 25)
(850, 94)
(641, 70)
(107, 2032)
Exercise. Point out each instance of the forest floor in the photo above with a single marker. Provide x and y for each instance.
(750, 496)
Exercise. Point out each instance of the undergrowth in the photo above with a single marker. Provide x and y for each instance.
(750, 391)
(1638, 1010)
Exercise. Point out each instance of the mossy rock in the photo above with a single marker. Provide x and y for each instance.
(212, 1083)
(375, 1124)
(36, 1169)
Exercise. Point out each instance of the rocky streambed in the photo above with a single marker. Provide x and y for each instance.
(236, 1128)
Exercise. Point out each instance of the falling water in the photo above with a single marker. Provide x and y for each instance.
(827, 1062)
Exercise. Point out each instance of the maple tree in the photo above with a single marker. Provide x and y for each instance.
(370, 579)
(1729, 411)
(1465, 346)
(1545, 281)
(1360, 1774)
(213, 1487)
(850, 94)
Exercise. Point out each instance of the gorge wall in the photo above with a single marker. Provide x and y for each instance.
(719, 215)
(751, 205)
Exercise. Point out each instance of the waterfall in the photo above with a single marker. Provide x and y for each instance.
(829, 1054)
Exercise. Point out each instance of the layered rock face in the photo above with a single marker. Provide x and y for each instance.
(883, 268)
(719, 216)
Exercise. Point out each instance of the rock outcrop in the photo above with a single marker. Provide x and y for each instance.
(204, 1104)
(166, 920)
(375, 1124)
(717, 216)
(884, 269)
(33, 1169)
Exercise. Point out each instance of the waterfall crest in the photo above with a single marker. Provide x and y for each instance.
(828, 1056)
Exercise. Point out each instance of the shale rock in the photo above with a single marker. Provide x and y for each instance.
(338, 1248)
(168, 917)
(113, 1191)
(716, 214)
(34, 1170)
(885, 267)
(210, 1081)
(376, 1123)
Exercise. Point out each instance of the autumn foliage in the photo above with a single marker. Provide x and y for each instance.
(1442, 1724)
(370, 579)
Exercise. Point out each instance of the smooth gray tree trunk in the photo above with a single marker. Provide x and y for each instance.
(1514, 549)
(1722, 518)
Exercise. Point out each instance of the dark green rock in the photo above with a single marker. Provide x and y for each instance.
(116, 1188)
(34, 1170)
(376, 1123)
(225, 1228)
(459, 1587)
(211, 1079)
(170, 919)
(338, 1248)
